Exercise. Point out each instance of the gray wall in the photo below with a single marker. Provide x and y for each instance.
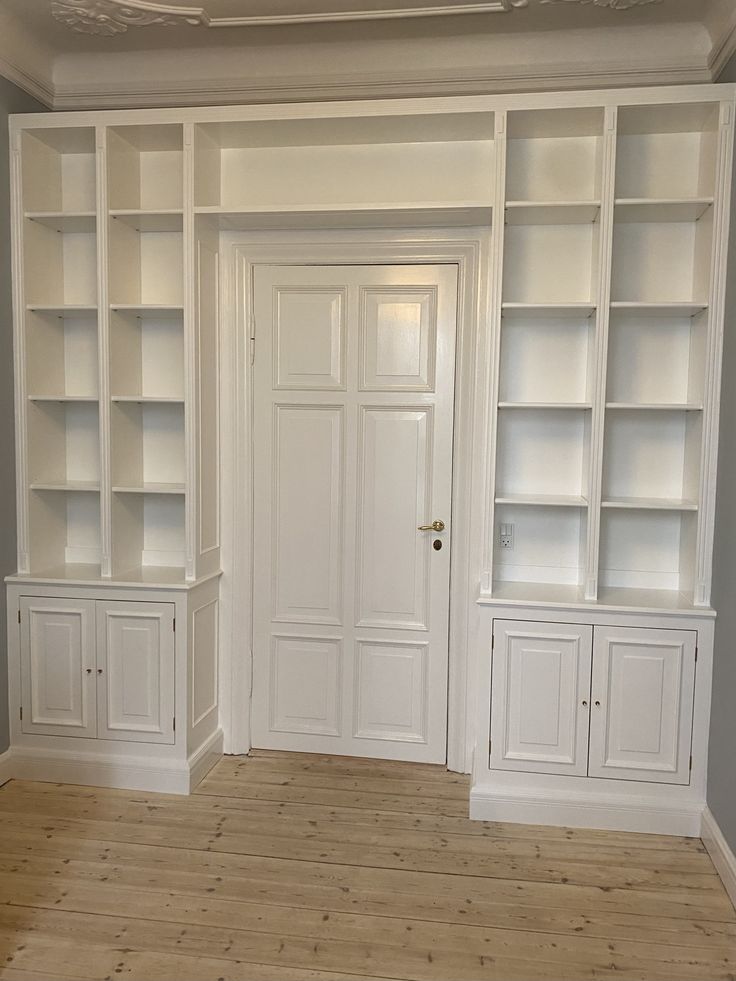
(722, 763)
(12, 99)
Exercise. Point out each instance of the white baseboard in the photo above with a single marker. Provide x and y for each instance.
(6, 770)
(201, 762)
(605, 812)
(720, 852)
(157, 775)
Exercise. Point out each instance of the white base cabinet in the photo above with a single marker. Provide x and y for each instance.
(114, 687)
(594, 718)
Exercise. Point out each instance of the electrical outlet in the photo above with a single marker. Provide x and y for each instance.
(506, 536)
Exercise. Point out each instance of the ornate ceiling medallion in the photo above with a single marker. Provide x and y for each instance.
(109, 17)
(612, 4)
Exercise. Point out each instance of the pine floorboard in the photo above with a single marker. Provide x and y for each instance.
(291, 866)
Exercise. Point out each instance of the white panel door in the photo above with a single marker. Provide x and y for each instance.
(540, 701)
(641, 718)
(135, 683)
(58, 666)
(353, 416)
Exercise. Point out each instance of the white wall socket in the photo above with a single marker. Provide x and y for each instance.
(505, 536)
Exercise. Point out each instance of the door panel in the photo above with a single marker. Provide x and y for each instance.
(641, 721)
(353, 409)
(395, 491)
(540, 697)
(58, 662)
(135, 645)
(308, 487)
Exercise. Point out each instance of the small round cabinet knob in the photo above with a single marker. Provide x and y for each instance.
(597, 704)
(585, 703)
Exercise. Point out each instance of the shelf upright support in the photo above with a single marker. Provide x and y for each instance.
(599, 360)
(191, 393)
(103, 350)
(490, 365)
(19, 349)
(712, 389)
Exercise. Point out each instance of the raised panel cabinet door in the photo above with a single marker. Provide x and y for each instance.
(135, 683)
(57, 666)
(540, 697)
(642, 704)
(353, 383)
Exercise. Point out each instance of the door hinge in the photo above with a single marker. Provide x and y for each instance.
(493, 641)
(21, 713)
(696, 655)
(691, 762)
(252, 338)
(18, 616)
(174, 624)
(490, 746)
(173, 723)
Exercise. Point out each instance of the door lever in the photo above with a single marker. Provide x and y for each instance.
(435, 526)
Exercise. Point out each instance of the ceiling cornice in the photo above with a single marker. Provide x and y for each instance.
(480, 81)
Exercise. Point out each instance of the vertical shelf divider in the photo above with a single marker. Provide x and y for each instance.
(191, 391)
(103, 348)
(714, 355)
(492, 378)
(19, 353)
(598, 382)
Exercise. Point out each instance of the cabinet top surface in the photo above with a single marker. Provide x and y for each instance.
(655, 95)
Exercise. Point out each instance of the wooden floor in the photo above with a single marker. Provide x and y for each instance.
(298, 867)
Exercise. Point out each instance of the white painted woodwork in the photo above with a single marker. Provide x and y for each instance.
(57, 651)
(540, 706)
(135, 678)
(354, 377)
(642, 698)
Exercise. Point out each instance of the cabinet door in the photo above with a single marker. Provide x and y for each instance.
(540, 697)
(135, 681)
(57, 666)
(641, 721)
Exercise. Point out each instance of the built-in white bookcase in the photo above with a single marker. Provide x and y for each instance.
(108, 340)
(602, 370)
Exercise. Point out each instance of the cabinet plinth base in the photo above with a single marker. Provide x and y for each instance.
(154, 774)
(586, 809)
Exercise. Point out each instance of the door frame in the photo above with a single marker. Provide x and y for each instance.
(241, 252)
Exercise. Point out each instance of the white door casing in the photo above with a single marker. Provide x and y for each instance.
(57, 639)
(353, 422)
(642, 704)
(540, 707)
(135, 680)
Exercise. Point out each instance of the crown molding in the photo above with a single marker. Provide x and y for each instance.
(723, 50)
(302, 88)
(41, 89)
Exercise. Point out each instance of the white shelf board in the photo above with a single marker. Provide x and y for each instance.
(658, 309)
(547, 310)
(63, 398)
(151, 221)
(301, 216)
(661, 209)
(90, 486)
(148, 399)
(151, 488)
(609, 598)
(546, 405)
(655, 406)
(543, 500)
(552, 212)
(64, 312)
(63, 221)
(82, 573)
(161, 310)
(649, 504)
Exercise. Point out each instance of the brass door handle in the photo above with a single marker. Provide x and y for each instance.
(435, 526)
